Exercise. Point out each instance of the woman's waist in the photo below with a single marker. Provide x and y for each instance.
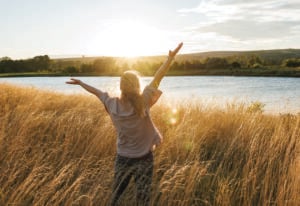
(146, 156)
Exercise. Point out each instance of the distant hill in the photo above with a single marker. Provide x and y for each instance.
(265, 54)
(276, 55)
(284, 52)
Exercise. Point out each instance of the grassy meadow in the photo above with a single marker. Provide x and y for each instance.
(59, 149)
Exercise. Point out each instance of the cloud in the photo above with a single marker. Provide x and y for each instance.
(260, 10)
(248, 20)
(250, 29)
(212, 11)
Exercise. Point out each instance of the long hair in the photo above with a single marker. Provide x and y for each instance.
(131, 91)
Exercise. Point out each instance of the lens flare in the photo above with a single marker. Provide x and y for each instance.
(173, 120)
(173, 116)
(174, 110)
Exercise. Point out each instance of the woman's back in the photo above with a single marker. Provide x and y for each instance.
(136, 134)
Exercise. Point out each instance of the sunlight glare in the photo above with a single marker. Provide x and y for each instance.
(129, 39)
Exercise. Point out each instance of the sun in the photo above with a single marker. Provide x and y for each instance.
(128, 38)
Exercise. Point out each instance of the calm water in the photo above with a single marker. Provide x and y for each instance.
(278, 94)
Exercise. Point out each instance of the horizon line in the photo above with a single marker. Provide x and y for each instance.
(69, 56)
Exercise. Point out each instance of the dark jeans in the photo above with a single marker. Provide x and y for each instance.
(139, 168)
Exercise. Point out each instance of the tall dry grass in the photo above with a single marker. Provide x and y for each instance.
(59, 149)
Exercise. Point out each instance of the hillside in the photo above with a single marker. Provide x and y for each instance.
(274, 54)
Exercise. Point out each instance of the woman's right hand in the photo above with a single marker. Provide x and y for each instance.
(74, 81)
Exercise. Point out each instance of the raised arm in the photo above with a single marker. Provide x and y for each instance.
(87, 87)
(164, 68)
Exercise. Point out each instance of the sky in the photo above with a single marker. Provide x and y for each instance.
(65, 28)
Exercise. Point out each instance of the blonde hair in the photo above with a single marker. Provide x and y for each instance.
(131, 91)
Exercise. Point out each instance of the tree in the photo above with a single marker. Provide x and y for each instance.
(6, 66)
(216, 63)
(292, 62)
(5, 58)
(235, 65)
(253, 61)
(105, 64)
(144, 67)
(41, 63)
(70, 69)
(86, 68)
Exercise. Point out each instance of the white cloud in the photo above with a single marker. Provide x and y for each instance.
(260, 10)
(249, 29)
(213, 11)
(246, 24)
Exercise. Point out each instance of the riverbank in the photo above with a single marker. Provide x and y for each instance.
(256, 72)
(210, 156)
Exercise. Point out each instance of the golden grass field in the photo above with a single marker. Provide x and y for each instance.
(58, 149)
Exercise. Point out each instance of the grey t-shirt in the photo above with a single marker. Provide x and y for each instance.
(135, 135)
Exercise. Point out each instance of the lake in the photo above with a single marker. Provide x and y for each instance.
(280, 95)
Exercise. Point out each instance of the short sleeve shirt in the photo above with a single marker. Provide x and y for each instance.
(135, 135)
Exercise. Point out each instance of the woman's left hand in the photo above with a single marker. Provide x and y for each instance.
(175, 51)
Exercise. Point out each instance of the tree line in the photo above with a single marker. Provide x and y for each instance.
(35, 64)
(115, 66)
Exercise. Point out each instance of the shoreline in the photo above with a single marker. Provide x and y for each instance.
(210, 73)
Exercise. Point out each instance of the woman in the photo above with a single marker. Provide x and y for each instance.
(136, 133)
